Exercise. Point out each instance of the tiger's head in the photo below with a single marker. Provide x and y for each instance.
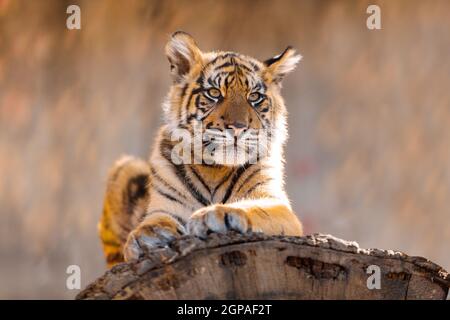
(227, 96)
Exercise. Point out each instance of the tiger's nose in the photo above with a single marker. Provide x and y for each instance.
(238, 127)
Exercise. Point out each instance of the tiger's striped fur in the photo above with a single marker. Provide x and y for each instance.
(149, 205)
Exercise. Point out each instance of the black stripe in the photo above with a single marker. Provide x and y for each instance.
(238, 173)
(173, 215)
(221, 183)
(242, 66)
(224, 65)
(258, 86)
(197, 175)
(195, 91)
(136, 189)
(256, 186)
(229, 54)
(168, 196)
(254, 66)
(200, 79)
(207, 113)
(258, 115)
(219, 79)
(180, 172)
(167, 185)
(248, 178)
(240, 81)
(191, 117)
(264, 211)
(271, 61)
(224, 56)
(211, 82)
(228, 81)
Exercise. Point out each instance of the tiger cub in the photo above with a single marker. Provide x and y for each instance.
(213, 180)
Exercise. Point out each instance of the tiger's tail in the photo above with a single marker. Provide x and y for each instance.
(124, 205)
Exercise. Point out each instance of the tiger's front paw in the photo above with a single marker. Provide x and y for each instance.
(218, 218)
(154, 232)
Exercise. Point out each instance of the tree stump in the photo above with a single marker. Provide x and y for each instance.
(255, 266)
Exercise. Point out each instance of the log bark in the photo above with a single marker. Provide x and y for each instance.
(255, 266)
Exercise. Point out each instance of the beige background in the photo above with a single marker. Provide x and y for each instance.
(368, 157)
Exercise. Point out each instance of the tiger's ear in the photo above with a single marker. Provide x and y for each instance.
(280, 65)
(183, 54)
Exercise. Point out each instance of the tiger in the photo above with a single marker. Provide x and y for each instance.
(149, 204)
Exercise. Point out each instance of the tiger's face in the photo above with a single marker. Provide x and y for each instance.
(233, 101)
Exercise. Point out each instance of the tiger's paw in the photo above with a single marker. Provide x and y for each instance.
(152, 233)
(219, 219)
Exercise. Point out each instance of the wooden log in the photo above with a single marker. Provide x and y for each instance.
(255, 266)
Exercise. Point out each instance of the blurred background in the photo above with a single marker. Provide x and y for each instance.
(368, 157)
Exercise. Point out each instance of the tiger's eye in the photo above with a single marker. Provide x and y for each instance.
(254, 97)
(214, 93)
